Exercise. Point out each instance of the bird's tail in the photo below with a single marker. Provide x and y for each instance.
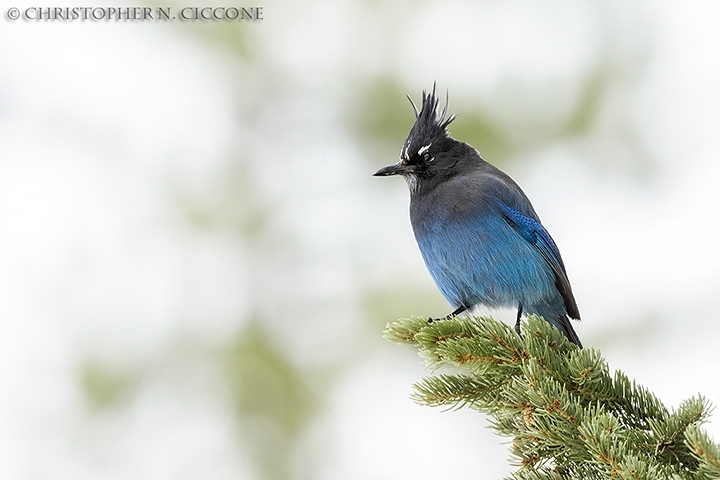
(554, 314)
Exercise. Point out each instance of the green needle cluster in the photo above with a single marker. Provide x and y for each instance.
(567, 414)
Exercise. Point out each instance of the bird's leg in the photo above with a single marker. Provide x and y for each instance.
(517, 323)
(455, 312)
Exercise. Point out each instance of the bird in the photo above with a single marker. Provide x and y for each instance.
(479, 235)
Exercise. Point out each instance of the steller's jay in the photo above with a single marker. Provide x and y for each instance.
(479, 235)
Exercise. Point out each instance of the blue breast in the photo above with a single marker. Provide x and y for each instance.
(477, 257)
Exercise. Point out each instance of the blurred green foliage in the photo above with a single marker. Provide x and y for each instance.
(234, 205)
(382, 114)
(268, 384)
(477, 129)
(588, 105)
(273, 400)
(107, 386)
(390, 303)
(230, 35)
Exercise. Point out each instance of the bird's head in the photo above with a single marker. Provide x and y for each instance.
(429, 152)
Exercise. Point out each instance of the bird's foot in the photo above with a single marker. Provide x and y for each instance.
(517, 323)
(450, 315)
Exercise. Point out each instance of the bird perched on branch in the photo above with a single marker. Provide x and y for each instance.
(479, 235)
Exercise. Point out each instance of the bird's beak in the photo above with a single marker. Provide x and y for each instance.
(394, 169)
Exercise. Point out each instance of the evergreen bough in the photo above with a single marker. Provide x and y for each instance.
(568, 416)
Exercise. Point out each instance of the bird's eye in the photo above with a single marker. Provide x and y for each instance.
(423, 152)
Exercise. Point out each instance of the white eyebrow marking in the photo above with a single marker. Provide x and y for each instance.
(424, 149)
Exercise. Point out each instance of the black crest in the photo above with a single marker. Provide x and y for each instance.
(430, 123)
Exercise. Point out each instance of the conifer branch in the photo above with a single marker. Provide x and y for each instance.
(568, 416)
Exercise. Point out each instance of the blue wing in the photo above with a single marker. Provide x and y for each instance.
(535, 234)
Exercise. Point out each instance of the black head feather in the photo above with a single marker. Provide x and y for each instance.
(430, 125)
(430, 155)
